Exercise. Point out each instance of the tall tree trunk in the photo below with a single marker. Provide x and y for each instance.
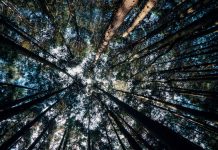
(118, 137)
(138, 136)
(7, 144)
(168, 49)
(169, 109)
(89, 138)
(9, 103)
(15, 85)
(184, 68)
(184, 32)
(21, 32)
(66, 140)
(214, 50)
(41, 134)
(170, 138)
(21, 108)
(108, 138)
(30, 54)
(118, 19)
(198, 113)
(176, 15)
(209, 77)
(201, 52)
(128, 136)
(66, 137)
(147, 8)
(188, 91)
(62, 140)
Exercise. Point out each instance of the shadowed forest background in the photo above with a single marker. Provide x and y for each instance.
(108, 74)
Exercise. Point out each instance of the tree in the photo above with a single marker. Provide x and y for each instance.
(148, 6)
(119, 17)
(7, 144)
(171, 139)
(9, 112)
(99, 74)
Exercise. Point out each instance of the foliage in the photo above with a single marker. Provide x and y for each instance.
(108, 74)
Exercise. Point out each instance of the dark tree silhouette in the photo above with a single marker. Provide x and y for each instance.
(108, 74)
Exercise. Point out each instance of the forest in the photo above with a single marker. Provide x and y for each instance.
(108, 75)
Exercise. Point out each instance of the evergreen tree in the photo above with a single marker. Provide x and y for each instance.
(108, 74)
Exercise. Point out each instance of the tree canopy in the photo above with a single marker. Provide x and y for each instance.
(108, 74)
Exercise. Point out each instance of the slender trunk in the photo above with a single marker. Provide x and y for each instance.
(30, 54)
(7, 144)
(203, 125)
(66, 140)
(15, 85)
(156, 58)
(147, 8)
(188, 91)
(9, 103)
(118, 19)
(118, 137)
(188, 71)
(209, 77)
(41, 134)
(187, 48)
(190, 55)
(21, 108)
(138, 136)
(68, 125)
(17, 14)
(184, 32)
(67, 134)
(184, 68)
(198, 113)
(62, 140)
(89, 139)
(172, 139)
(15, 28)
(176, 15)
(108, 139)
(127, 135)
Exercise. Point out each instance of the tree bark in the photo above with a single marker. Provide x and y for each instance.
(118, 19)
(202, 124)
(7, 144)
(198, 113)
(108, 138)
(184, 32)
(30, 54)
(41, 134)
(15, 85)
(89, 138)
(118, 137)
(15, 28)
(128, 136)
(21, 108)
(62, 140)
(147, 8)
(138, 136)
(9, 103)
(170, 138)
